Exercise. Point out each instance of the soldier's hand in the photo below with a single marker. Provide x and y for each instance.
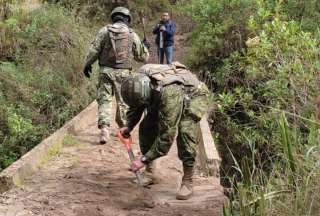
(125, 132)
(136, 165)
(146, 43)
(87, 70)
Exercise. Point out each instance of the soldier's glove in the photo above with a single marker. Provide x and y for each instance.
(87, 70)
(146, 43)
(125, 132)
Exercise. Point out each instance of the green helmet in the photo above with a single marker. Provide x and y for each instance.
(136, 91)
(122, 10)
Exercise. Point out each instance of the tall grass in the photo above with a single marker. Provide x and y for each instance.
(291, 188)
(287, 141)
(261, 59)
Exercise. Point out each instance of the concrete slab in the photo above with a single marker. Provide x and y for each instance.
(15, 174)
(209, 158)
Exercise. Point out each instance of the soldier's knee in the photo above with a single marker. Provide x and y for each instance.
(104, 99)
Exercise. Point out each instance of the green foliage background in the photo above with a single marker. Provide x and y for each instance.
(261, 59)
(41, 85)
(41, 57)
(98, 11)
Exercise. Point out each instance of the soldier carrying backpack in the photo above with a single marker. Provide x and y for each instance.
(115, 46)
(175, 101)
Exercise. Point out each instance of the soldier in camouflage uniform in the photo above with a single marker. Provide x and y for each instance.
(175, 101)
(114, 47)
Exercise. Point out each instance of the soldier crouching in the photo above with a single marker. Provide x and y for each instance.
(175, 101)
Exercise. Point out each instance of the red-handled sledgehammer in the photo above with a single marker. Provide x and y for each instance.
(128, 142)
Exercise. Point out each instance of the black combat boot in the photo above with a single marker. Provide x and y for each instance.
(186, 188)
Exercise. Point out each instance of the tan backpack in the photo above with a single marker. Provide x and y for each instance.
(168, 74)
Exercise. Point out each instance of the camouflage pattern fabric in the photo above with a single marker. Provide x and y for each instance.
(178, 110)
(108, 86)
(102, 40)
(110, 79)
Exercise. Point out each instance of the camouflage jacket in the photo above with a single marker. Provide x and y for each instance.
(171, 103)
(102, 41)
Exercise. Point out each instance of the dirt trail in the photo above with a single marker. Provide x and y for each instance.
(87, 179)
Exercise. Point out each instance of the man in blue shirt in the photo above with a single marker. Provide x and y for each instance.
(165, 30)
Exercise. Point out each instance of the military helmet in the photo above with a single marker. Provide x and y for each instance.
(136, 90)
(121, 10)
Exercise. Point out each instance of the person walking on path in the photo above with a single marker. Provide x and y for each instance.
(175, 101)
(164, 32)
(115, 46)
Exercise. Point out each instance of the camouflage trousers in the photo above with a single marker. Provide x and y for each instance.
(188, 132)
(109, 84)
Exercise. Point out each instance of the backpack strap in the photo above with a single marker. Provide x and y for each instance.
(111, 36)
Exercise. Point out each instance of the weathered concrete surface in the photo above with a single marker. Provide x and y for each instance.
(88, 179)
(15, 174)
(208, 155)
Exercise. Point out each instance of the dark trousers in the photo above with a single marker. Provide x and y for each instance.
(166, 51)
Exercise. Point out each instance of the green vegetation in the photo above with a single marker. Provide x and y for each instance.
(261, 59)
(41, 57)
(98, 11)
(41, 84)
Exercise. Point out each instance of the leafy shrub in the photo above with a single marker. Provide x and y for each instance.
(265, 84)
(41, 85)
(99, 10)
(220, 30)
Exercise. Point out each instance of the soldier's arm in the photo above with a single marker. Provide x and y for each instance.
(96, 46)
(134, 116)
(170, 110)
(140, 52)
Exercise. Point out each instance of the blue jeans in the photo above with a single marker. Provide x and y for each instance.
(168, 52)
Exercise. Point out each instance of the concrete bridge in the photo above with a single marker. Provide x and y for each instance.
(70, 174)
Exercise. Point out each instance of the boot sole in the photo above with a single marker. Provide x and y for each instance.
(102, 142)
(179, 197)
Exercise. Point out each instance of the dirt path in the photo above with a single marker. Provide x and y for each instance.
(87, 179)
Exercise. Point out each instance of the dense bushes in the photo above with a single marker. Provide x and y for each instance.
(41, 57)
(99, 10)
(221, 29)
(265, 83)
(41, 85)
